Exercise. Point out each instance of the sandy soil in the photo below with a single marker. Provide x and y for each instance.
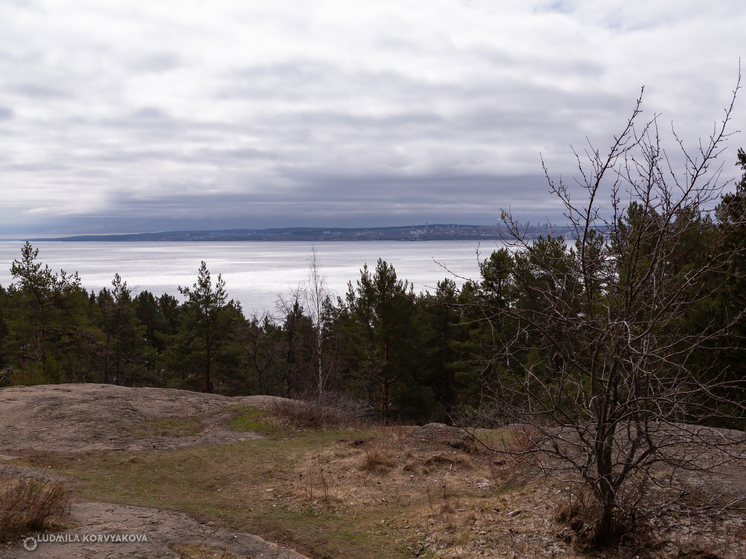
(98, 417)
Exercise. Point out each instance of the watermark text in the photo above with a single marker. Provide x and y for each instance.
(32, 542)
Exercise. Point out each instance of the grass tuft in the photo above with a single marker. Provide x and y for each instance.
(378, 457)
(29, 505)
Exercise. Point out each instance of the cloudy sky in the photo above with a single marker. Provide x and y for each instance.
(129, 116)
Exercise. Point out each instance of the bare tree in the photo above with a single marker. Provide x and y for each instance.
(621, 391)
(316, 295)
(311, 296)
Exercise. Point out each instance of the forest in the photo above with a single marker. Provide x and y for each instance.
(414, 357)
(613, 352)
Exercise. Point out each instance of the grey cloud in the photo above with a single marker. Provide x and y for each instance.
(268, 80)
(37, 168)
(152, 122)
(516, 101)
(559, 6)
(24, 4)
(157, 62)
(323, 197)
(550, 63)
(310, 79)
(186, 157)
(150, 114)
(424, 121)
(237, 154)
(36, 91)
(388, 122)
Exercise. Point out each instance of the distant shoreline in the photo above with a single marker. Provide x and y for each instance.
(409, 233)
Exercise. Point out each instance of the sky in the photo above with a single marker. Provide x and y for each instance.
(134, 116)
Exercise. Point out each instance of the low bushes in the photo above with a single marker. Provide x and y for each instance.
(331, 411)
(28, 504)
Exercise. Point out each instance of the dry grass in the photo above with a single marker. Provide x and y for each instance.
(378, 456)
(312, 413)
(507, 455)
(348, 492)
(29, 505)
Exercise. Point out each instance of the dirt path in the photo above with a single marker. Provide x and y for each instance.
(97, 417)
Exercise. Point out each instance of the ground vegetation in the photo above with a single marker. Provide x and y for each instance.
(618, 346)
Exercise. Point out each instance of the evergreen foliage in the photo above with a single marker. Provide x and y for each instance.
(433, 356)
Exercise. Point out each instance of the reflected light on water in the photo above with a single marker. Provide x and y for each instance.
(256, 274)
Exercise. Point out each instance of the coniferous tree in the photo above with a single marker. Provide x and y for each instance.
(203, 352)
(50, 335)
(124, 352)
(440, 330)
(260, 339)
(298, 347)
(5, 370)
(383, 309)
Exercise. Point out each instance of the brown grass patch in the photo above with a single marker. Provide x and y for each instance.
(313, 413)
(29, 505)
(508, 459)
(378, 457)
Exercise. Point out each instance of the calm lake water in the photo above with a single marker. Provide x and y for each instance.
(256, 274)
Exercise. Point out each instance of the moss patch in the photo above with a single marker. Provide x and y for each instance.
(170, 427)
(252, 418)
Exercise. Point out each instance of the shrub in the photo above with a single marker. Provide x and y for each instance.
(614, 341)
(28, 504)
(331, 411)
(507, 460)
(581, 513)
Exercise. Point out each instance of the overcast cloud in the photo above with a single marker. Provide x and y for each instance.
(144, 116)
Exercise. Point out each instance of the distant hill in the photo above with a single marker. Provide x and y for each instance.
(436, 232)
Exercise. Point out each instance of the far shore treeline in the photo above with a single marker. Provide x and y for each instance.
(415, 357)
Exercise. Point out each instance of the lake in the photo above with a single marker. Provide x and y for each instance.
(256, 274)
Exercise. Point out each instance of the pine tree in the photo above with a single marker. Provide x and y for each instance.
(203, 350)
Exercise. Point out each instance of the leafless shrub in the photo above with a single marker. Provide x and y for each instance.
(28, 504)
(314, 413)
(581, 512)
(447, 507)
(507, 460)
(596, 348)
(324, 485)
(315, 478)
